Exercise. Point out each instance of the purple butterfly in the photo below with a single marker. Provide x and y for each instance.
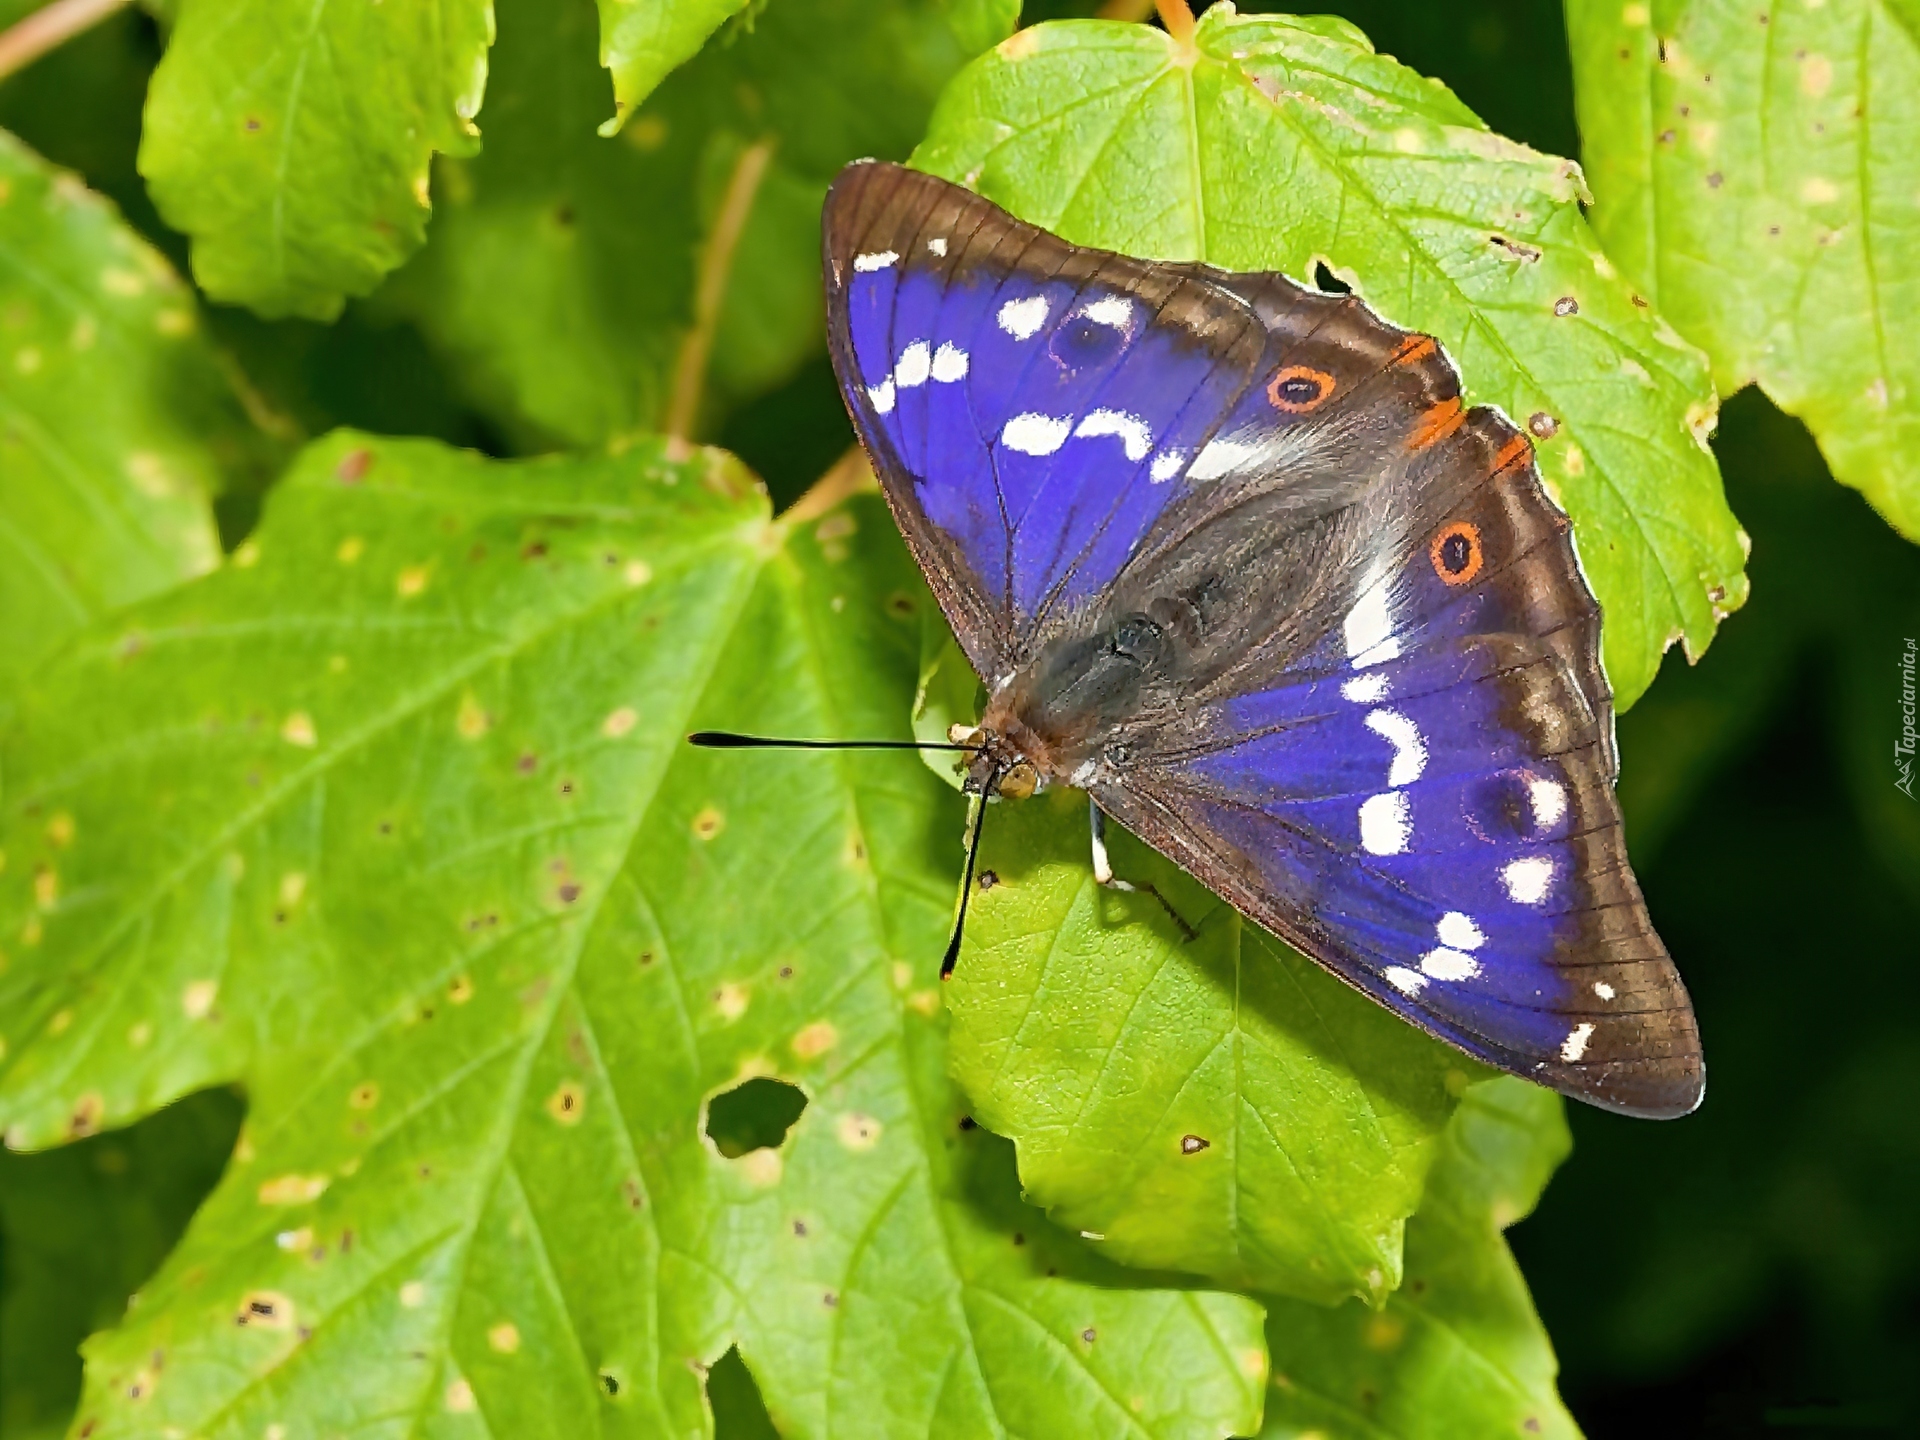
(1231, 556)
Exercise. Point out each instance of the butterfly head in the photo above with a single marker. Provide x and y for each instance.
(999, 766)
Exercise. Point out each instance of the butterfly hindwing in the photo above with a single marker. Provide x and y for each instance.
(1287, 608)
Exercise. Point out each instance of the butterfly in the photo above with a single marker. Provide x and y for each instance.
(1231, 555)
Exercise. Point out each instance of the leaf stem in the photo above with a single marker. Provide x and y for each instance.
(710, 293)
(23, 43)
(850, 475)
(1177, 18)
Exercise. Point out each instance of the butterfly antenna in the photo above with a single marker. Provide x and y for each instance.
(952, 956)
(730, 740)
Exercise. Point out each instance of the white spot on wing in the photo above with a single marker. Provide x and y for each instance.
(1218, 457)
(949, 363)
(1575, 1044)
(882, 395)
(1364, 689)
(1459, 932)
(1444, 964)
(1034, 434)
(1409, 750)
(1549, 799)
(1114, 310)
(1385, 823)
(938, 244)
(1369, 627)
(1407, 982)
(877, 260)
(1527, 880)
(1603, 990)
(914, 365)
(1166, 465)
(1134, 435)
(1022, 319)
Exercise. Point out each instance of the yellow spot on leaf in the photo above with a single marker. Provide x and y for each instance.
(139, 1033)
(762, 1168)
(121, 282)
(647, 134)
(708, 823)
(461, 990)
(265, 1310)
(46, 887)
(26, 360)
(902, 974)
(412, 581)
(1019, 45)
(927, 1002)
(568, 1103)
(247, 556)
(293, 885)
(1816, 75)
(1253, 1362)
(1407, 141)
(1574, 460)
(60, 829)
(1818, 190)
(504, 1337)
(413, 1294)
(292, 1189)
(86, 1116)
(1635, 14)
(60, 1021)
(299, 730)
(173, 321)
(460, 1397)
(294, 1240)
(351, 549)
(857, 1131)
(1384, 1330)
(619, 722)
(364, 1096)
(85, 331)
(472, 722)
(638, 572)
(731, 1001)
(815, 1040)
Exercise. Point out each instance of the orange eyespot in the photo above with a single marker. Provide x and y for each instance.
(1298, 389)
(1456, 553)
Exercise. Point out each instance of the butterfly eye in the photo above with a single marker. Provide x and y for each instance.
(1456, 553)
(1298, 389)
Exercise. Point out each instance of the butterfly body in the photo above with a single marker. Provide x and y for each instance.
(1233, 557)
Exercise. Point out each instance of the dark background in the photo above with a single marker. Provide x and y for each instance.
(1750, 1270)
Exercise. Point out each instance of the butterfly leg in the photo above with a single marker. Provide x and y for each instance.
(1103, 868)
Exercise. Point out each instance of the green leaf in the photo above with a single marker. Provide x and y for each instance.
(1220, 1105)
(1457, 1351)
(642, 40)
(1279, 143)
(83, 1227)
(423, 862)
(291, 140)
(1756, 171)
(603, 245)
(115, 419)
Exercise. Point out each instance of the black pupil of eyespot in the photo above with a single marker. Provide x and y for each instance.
(1300, 390)
(1455, 551)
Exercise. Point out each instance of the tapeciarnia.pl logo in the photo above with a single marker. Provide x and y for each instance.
(1904, 746)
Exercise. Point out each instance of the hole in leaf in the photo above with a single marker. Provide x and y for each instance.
(1328, 283)
(754, 1115)
(738, 1411)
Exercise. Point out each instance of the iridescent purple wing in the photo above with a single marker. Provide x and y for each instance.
(1334, 654)
(1031, 406)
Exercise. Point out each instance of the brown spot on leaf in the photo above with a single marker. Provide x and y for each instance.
(353, 466)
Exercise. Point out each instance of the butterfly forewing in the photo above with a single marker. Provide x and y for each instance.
(1239, 560)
